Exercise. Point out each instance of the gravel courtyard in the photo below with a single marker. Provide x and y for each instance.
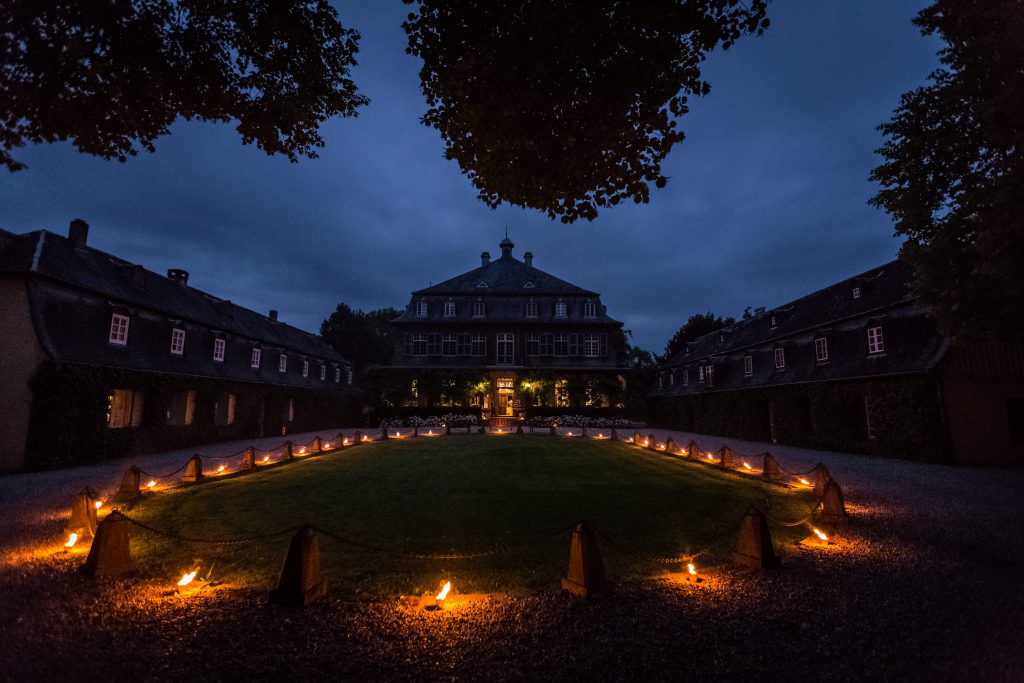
(926, 584)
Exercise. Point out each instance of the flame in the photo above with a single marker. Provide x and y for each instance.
(365, 437)
(266, 458)
(344, 442)
(682, 451)
(444, 591)
(690, 567)
(804, 482)
(430, 432)
(711, 456)
(747, 466)
(569, 434)
(187, 577)
(600, 435)
(151, 484)
(220, 469)
(646, 442)
(819, 533)
(72, 539)
(302, 451)
(98, 504)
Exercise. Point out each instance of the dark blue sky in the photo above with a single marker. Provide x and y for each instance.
(766, 199)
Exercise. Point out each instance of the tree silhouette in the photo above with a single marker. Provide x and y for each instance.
(112, 76)
(697, 325)
(567, 105)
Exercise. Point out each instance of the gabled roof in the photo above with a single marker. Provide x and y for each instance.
(54, 258)
(505, 275)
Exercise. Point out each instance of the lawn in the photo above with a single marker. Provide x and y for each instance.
(457, 494)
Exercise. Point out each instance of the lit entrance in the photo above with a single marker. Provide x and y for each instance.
(506, 406)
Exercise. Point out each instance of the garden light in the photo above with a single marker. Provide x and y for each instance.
(746, 465)
(220, 469)
(187, 577)
(711, 456)
(691, 568)
(151, 484)
(266, 458)
(805, 482)
(72, 539)
(302, 451)
(344, 442)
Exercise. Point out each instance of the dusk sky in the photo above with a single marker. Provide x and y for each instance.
(766, 198)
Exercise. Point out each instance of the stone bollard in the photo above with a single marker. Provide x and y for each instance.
(650, 441)
(357, 438)
(821, 477)
(754, 547)
(447, 430)
(129, 488)
(554, 430)
(383, 436)
(637, 439)
(193, 470)
(415, 431)
(670, 445)
(833, 507)
(771, 471)
(584, 434)
(519, 428)
(693, 450)
(727, 461)
(289, 454)
(83, 514)
(301, 581)
(110, 553)
(249, 459)
(482, 430)
(586, 577)
(317, 444)
(615, 435)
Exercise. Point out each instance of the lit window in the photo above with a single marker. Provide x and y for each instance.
(748, 365)
(421, 309)
(254, 360)
(821, 349)
(780, 358)
(560, 310)
(218, 350)
(337, 374)
(590, 310)
(449, 309)
(177, 341)
(118, 329)
(856, 292)
(282, 363)
(876, 343)
(531, 309)
(323, 372)
(305, 368)
(479, 309)
(124, 408)
(591, 346)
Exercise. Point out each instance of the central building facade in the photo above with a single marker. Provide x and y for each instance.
(506, 336)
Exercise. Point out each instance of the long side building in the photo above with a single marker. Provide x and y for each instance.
(104, 358)
(858, 366)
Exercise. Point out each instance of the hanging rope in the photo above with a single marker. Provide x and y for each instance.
(164, 476)
(215, 541)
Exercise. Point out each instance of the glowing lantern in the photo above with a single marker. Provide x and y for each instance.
(302, 451)
(365, 437)
(804, 482)
(344, 442)
(682, 451)
(430, 432)
(187, 577)
(445, 589)
(711, 456)
(569, 434)
(72, 539)
(266, 458)
(98, 504)
(220, 469)
(819, 533)
(691, 568)
(746, 465)
(151, 484)
(647, 442)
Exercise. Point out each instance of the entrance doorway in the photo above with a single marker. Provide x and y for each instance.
(506, 404)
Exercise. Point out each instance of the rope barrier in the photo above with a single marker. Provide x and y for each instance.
(214, 541)
(164, 476)
(799, 522)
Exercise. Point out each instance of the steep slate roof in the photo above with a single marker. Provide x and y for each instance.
(506, 276)
(56, 259)
(912, 342)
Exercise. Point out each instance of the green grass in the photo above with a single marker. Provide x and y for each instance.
(461, 493)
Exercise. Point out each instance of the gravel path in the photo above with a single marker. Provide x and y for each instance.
(926, 584)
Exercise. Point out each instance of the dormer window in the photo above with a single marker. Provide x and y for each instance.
(421, 309)
(671, 378)
(876, 342)
(282, 363)
(821, 350)
(178, 341)
(118, 329)
(323, 372)
(529, 285)
(748, 365)
(780, 358)
(590, 310)
(856, 292)
(661, 380)
(254, 359)
(481, 285)
(531, 309)
(560, 310)
(218, 350)
(479, 309)
(337, 374)
(772, 322)
(449, 309)
(305, 368)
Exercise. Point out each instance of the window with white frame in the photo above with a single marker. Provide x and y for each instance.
(671, 378)
(531, 309)
(218, 350)
(591, 346)
(700, 373)
(254, 359)
(177, 341)
(421, 309)
(748, 365)
(282, 363)
(821, 349)
(419, 345)
(463, 344)
(479, 309)
(305, 367)
(547, 344)
(478, 347)
(876, 342)
(348, 374)
(532, 344)
(505, 348)
(449, 309)
(323, 372)
(709, 375)
(772, 322)
(337, 374)
(686, 376)
(118, 329)
(856, 292)
(560, 310)
(590, 310)
(780, 358)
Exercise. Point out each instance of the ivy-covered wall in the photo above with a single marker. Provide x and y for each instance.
(68, 422)
(906, 416)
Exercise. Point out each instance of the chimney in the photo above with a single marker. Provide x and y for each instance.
(178, 275)
(485, 258)
(273, 314)
(78, 232)
(528, 258)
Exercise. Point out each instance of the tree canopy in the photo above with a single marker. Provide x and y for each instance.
(111, 77)
(363, 338)
(953, 178)
(565, 106)
(697, 325)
